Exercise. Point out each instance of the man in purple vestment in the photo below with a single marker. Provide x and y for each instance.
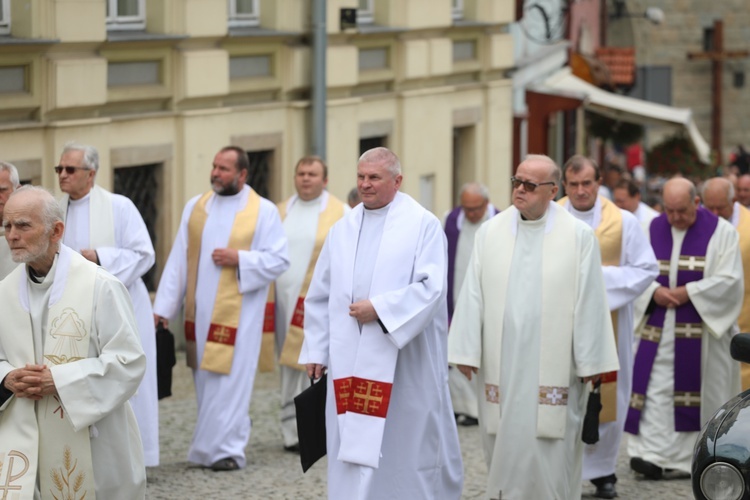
(683, 371)
(461, 225)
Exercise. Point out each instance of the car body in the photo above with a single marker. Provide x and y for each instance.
(721, 458)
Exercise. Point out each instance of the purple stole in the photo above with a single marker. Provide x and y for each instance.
(451, 233)
(688, 325)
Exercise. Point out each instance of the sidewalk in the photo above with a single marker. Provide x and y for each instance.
(272, 473)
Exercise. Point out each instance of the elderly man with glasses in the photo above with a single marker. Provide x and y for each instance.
(532, 323)
(107, 229)
(8, 184)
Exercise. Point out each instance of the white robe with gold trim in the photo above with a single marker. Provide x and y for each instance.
(521, 464)
(223, 426)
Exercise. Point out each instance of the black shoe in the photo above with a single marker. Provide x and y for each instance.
(648, 469)
(467, 421)
(294, 448)
(606, 490)
(225, 464)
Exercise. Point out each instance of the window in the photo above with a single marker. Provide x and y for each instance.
(365, 12)
(13, 79)
(250, 66)
(457, 9)
(4, 17)
(126, 14)
(653, 83)
(464, 50)
(244, 13)
(133, 73)
(376, 58)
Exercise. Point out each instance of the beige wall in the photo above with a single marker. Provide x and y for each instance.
(194, 109)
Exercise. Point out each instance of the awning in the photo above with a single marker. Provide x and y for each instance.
(627, 109)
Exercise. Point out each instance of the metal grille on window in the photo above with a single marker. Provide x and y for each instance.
(260, 171)
(140, 185)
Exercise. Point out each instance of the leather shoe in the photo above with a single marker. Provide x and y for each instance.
(468, 421)
(225, 464)
(648, 469)
(606, 490)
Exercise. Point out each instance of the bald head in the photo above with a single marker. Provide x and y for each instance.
(743, 190)
(718, 196)
(680, 202)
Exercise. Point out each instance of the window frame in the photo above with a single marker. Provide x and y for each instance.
(457, 11)
(243, 20)
(366, 16)
(5, 18)
(121, 23)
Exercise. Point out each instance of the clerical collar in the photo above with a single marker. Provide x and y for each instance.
(80, 200)
(40, 278)
(378, 211)
(533, 222)
(230, 196)
(582, 213)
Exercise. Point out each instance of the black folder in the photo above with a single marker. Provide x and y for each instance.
(165, 361)
(310, 406)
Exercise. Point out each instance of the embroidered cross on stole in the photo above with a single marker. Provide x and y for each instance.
(218, 353)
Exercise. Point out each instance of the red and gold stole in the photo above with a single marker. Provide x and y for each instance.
(333, 211)
(609, 235)
(225, 317)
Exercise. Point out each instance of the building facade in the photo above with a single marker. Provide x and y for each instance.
(158, 86)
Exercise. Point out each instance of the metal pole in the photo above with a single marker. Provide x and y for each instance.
(320, 43)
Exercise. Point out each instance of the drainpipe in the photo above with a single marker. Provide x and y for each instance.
(320, 42)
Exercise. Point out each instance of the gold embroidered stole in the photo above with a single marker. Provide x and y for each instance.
(295, 335)
(609, 234)
(743, 227)
(218, 352)
(290, 351)
(38, 435)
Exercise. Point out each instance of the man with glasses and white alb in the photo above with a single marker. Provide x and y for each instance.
(107, 229)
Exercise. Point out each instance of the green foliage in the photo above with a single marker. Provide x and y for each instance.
(676, 155)
(619, 132)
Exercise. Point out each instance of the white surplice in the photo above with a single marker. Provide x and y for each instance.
(300, 227)
(222, 429)
(131, 256)
(625, 283)
(718, 299)
(645, 215)
(521, 464)
(95, 394)
(419, 454)
(6, 259)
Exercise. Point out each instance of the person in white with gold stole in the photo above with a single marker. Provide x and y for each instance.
(629, 267)
(532, 321)
(70, 357)
(230, 246)
(107, 229)
(8, 184)
(307, 217)
(375, 316)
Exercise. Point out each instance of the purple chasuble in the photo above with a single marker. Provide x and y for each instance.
(688, 325)
(451, 233)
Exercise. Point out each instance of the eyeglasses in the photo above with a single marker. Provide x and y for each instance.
(528, 185)
(68, 170)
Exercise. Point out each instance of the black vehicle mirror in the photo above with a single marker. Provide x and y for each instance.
(740, 347)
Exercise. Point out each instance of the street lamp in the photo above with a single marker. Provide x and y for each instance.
(653, 14)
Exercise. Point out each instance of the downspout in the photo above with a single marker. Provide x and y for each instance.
(320, 43)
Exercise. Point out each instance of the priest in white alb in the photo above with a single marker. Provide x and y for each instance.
(375, 317)
(229, 247)
(307, 217)
(8, 184)
(627, 195)
(107, 229)
(683, 369)
(532, 322)
(718, 196)
(629, 267)
(70, 358)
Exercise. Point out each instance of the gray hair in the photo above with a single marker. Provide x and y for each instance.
(12, 172)
(728, 186)
(51, 212)
(382, 155)
(475, 188)
(353, 196)
(90, 154)
(555, 173)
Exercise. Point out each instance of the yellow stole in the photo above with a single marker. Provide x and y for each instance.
(225, 317)
(743, 227)
(609, 234)
(295, 335)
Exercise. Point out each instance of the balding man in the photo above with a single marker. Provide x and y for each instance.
(461, 225)
(743, 190)
(683, 371)
(719, 198)
(8, 184)
(627, 195)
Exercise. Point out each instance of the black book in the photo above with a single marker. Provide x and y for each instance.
(310, 406)
(165, 361)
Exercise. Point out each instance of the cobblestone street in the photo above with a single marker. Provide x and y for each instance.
(272, 473)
